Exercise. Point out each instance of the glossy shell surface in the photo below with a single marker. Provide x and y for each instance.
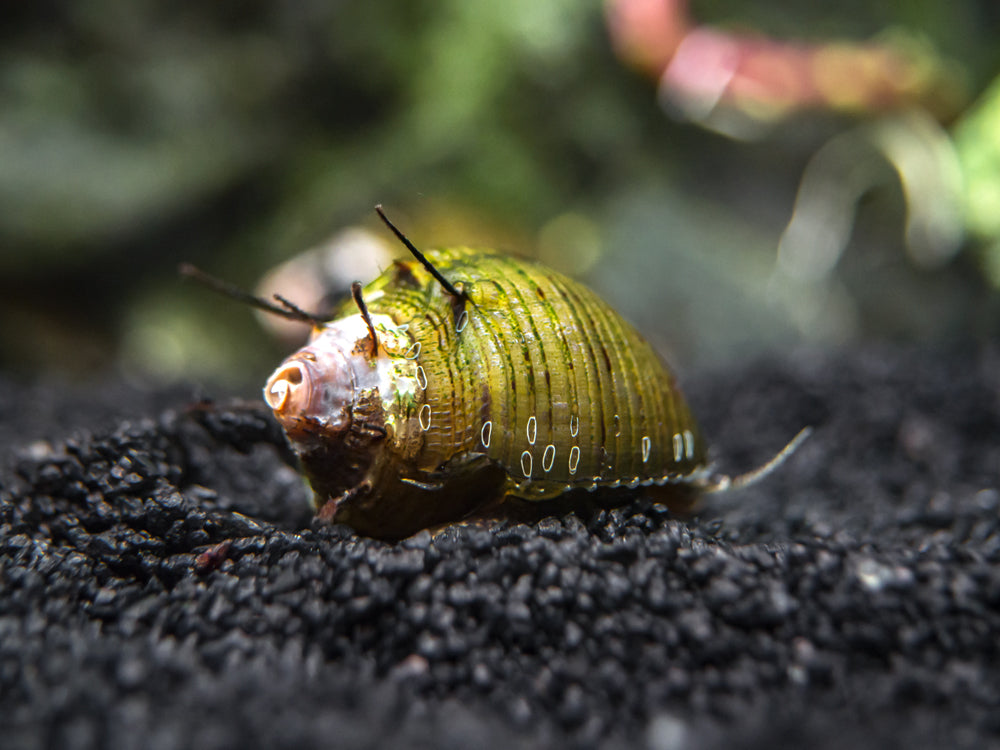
(530, 388)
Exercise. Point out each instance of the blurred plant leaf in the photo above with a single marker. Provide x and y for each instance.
(977, 139)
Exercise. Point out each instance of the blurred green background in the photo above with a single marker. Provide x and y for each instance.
(737, 217)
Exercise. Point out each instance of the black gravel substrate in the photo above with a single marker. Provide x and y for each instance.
(161, 587)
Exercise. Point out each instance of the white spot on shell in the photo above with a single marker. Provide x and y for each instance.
(618, 426)
(574, 458)
(646, 444)
(574, 425)
(526, 464)
(413, 352)
(486, 434)
(532, 430)
(425, 417)
(678, 447)
(421, 377)
(548, 457)
(463, 321)
(688, 444)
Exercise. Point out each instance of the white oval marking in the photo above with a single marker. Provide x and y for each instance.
(463, 321)
(646, 444)
(403, 328)
(574, 425)
(413, 352)
(574, 458)
(526, 464)
(421, 377)
(425, 417)
(548, 457)
(532, 430)
(618, 426)
(678, 447)
(486, 433)
(688, 444)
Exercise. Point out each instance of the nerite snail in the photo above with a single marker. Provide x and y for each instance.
(464, 381)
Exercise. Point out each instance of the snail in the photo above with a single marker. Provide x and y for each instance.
(465, 383)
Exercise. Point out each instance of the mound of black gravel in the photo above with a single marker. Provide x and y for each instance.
(162, 586)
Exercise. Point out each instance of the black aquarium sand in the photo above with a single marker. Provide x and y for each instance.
(161, 585)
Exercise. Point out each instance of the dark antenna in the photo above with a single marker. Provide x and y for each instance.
(360, 302)
(285, 310)
(420, 256)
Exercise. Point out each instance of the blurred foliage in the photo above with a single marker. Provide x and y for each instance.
(135, 134)
(977, 138)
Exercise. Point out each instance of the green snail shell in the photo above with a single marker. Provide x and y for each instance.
(525, 388)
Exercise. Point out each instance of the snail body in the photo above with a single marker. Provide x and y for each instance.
(507, 384)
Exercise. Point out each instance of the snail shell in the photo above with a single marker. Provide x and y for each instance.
(515, 385)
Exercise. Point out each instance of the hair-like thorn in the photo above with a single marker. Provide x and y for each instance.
(360, 302)
(448, 287)
(722, 483)
(285, 310)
